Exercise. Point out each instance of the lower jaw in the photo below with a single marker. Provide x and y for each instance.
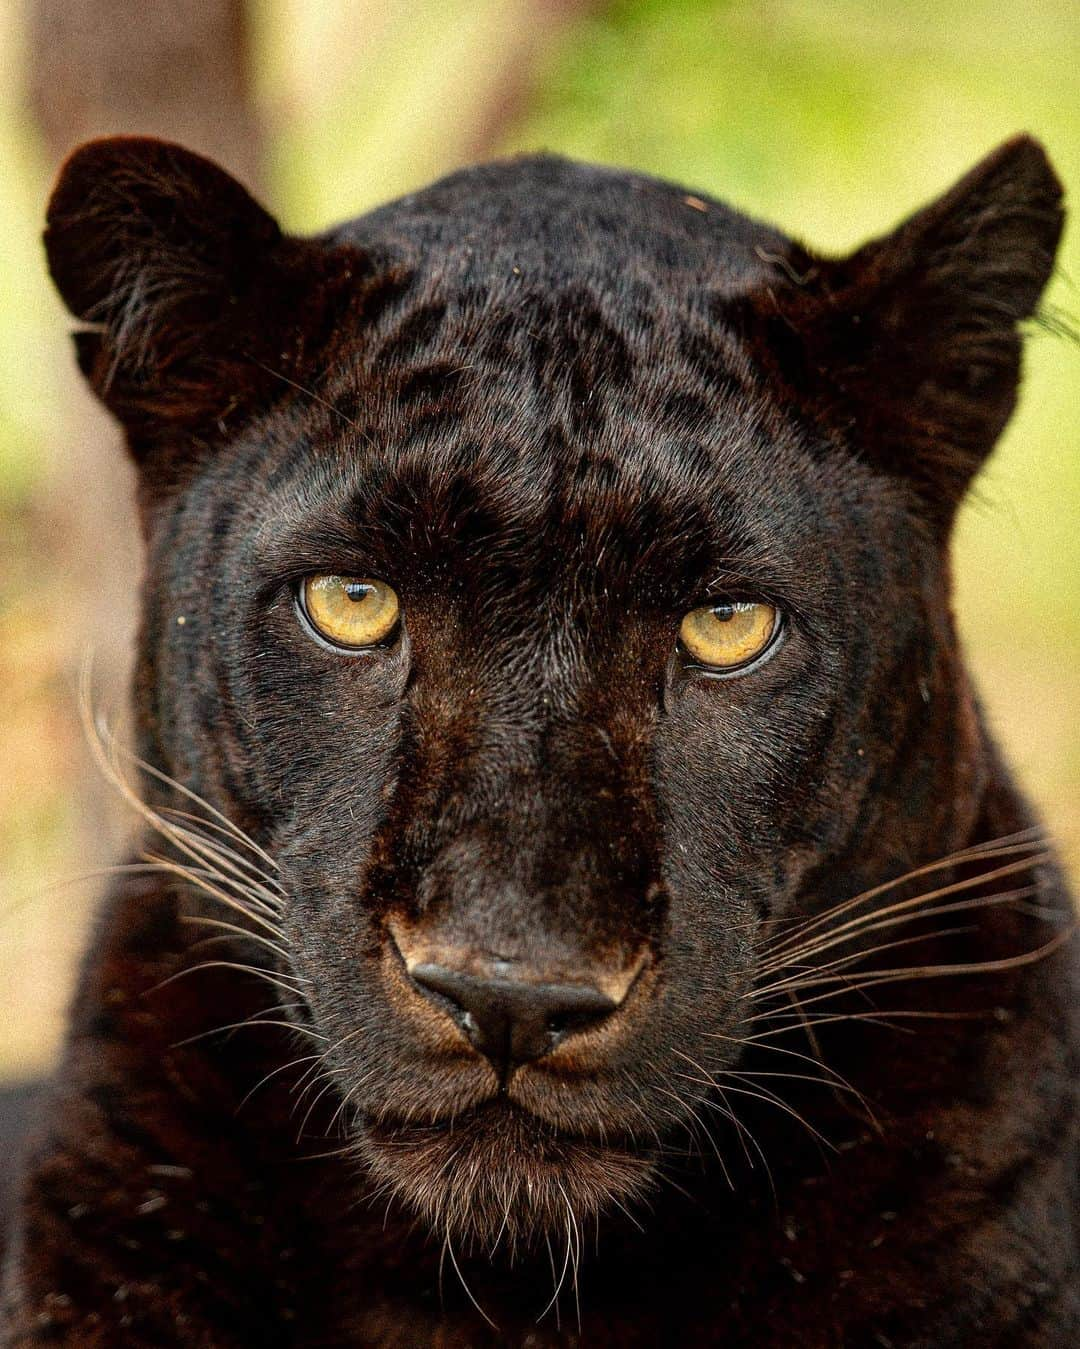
(500, 1177)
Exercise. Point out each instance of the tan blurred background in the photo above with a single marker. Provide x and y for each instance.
(830, 117)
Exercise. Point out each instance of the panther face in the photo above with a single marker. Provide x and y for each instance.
(549, 572)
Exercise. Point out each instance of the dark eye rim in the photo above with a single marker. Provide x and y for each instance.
(312, 631)
(776, 639)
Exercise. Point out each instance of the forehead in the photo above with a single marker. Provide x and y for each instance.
(547, 383)
(458, 461)
(555, 218)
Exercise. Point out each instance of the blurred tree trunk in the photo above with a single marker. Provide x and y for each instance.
(99, 67)
(542, 23)
(177, 70)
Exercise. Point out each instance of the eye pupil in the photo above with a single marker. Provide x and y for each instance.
(357, 591)
(723, 613)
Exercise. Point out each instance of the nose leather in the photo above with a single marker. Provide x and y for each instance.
(512, 1021)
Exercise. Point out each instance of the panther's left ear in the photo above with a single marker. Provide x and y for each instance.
(910, 346)
(198, 311)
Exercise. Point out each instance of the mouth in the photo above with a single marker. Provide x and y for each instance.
(500, 1176)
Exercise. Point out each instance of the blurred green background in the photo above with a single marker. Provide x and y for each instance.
(832, 119)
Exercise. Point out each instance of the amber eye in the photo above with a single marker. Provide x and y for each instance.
(728, 635)
(350, 611)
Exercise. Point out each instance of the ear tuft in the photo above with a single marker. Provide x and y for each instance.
(911, 344)
(192, 292)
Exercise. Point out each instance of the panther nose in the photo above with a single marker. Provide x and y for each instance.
(511, 1021)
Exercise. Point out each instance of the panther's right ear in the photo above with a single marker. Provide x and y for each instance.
(198, 309)
(909, 348)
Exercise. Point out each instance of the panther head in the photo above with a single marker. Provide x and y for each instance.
(549, 572)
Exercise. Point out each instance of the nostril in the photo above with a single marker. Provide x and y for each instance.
(565, 1023)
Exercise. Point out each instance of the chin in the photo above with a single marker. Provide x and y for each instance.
(499, 1178)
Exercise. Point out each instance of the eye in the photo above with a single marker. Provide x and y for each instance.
(350, 611)
(729, 635)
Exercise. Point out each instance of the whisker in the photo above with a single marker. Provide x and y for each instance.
(710, 1080)
(553, 1302)
(343, 1105)
(573, 1234)
(875, 1018)
(193, 848)
(835, 1079)
(753, 1074)
(328, 1086)
(695, 1119)
(815, 1047)
(743, 1133)
(276, 980)
(1013, 898)
(746, 1137)
(197, 920)
(1007, 845)
(223, 820)
(798, 976)
(254, 893)
(82, 878)
(194, 878)
(251, 1023)
(617, 1203)
(919, 903)
(468, 1290)
(274, 1072)
(876, 977)
(770, 1098)
(238, 863)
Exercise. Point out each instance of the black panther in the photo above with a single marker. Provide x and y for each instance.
(579, 900)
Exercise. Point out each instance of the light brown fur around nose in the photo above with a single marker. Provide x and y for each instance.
(512, 1011)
